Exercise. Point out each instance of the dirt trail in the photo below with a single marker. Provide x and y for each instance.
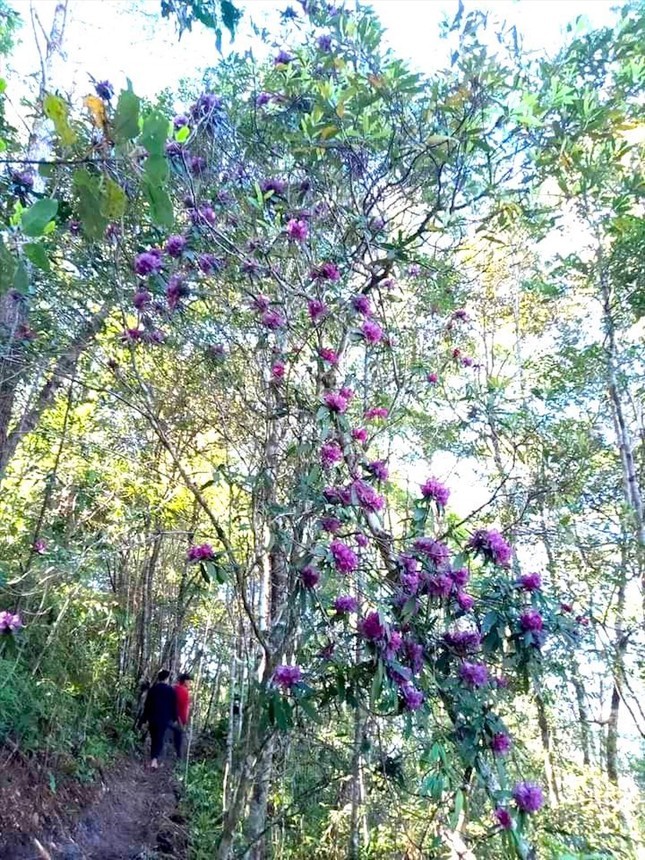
(133, 816)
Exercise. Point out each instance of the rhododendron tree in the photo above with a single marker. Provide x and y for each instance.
(284, 241)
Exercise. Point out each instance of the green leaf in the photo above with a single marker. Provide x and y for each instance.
(21, 279)
(183, 134)
(38, 216)
(230, 16)
(156, 169)
(154, 133)
(160, 205)
(88, 195)
(57, 110)
(113, 202)
(7, 268)
(37, 255)
(126, 118)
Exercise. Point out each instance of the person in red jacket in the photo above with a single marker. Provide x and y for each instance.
(182, 695)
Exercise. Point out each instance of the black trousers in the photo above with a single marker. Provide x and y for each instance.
(157, 738)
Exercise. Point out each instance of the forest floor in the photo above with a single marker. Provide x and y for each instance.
(130, 813)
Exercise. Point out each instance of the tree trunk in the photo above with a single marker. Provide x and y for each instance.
(545, 736)
(583, 712)
(620, 645)
(61, 371)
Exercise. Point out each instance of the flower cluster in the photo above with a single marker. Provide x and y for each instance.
(287, 676)
(344, 557)
(10, 622)
(200, 552)
(435, 491)
(492, 546)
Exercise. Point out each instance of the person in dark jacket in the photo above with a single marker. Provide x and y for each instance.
(160, 713)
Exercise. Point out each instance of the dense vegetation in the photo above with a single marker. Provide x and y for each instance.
(254, 339)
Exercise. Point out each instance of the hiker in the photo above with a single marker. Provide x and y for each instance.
(160, 713)
(182, 695)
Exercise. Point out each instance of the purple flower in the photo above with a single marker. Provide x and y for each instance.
(345, 603)
(328, 355)
(379, 469)
(337, 496)
(326, 272)
(317, 309)
(261, 303)
(473, 674)
(414, 270)
(147, 263)
(366, 496)
(412, 697)
(503, 818)
(376, 412)
(362, 305)
(324, 43)
(330, 453)
(297, 230)
(273, 320)
(179, 121)
(439, 585)
(435, 550)
(460, 576)
(154, 336)
(362, 540)
(175, 245)
(309, 576)
(175, 291)
(263, 99)
(197, 165)
(174, 149)
(207, 107)
(330, 524)
(360, 435)
(282, 58)
(530, 582)
(344, 558)
(104, 90)
(528, 797)
(463, 641)
(278, 371)
(209, 263)
(460, 315)
(500, 744)
(23, 180)
(465, 601)
(200, 552)
(433, 489)
(414, 654)
(131, 335)
(287, 676)
(371, 628)
(141, 299)
(492, 546)
(9, 622)
(274, 186)
(335, 402)
(501, 682)
(531, 621)
(204, 214)
(40, 546)
(432, 378)
(348, 393)
(372, 331)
